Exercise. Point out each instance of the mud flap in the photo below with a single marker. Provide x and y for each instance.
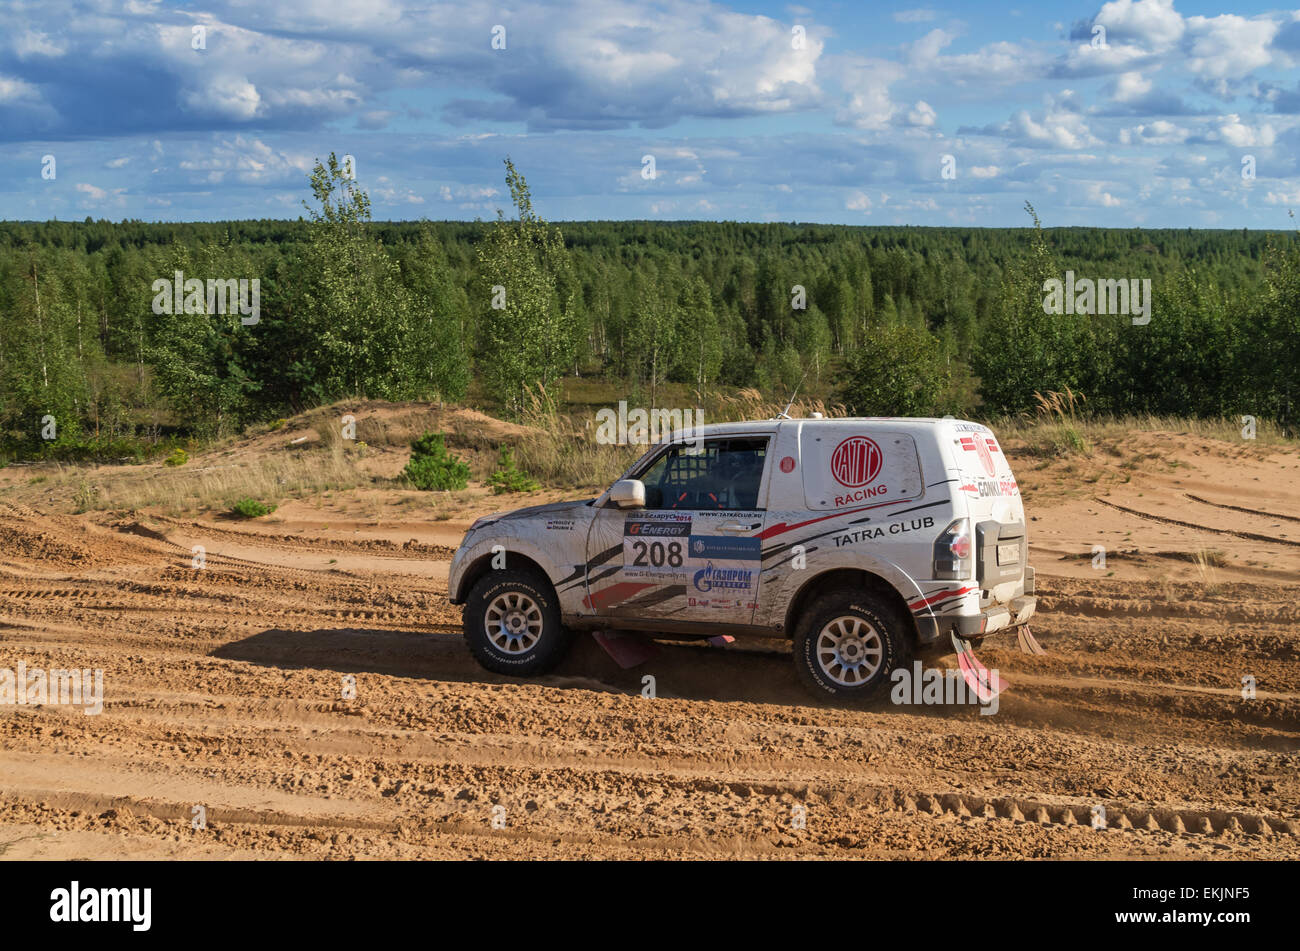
(628, 650)
(983, 682)
(1027, 642)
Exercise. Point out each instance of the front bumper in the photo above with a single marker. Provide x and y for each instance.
(457, 571)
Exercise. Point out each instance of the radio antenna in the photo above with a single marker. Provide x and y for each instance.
(785, 413)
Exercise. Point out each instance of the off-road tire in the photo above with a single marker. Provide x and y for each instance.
(891, 626)
(496, 589)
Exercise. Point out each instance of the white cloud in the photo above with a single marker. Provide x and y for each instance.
(229, 97)
(1157, 132)
(1059, 126)
(1238, 134)
(921, 114)
(1097, 195)
(920, 15)
(858, 201)
(1001, 62)
(468, 192)
(16, 90)
(1130, 86)
(867, 82)
(1229, 46)
(1148, 24)
(32, 43)
(247, 161)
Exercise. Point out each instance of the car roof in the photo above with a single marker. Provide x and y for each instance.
(745, 427)
(767, 425)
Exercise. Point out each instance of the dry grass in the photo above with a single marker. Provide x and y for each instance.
(1040, 430)
(203, 487)
(562, 450)
(308, 456)
(1206, 561)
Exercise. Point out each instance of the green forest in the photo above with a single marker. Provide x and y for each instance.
(886, 320)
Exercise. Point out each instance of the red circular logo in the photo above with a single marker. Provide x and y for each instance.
(856, 462)
(982, 450)
(787, 464)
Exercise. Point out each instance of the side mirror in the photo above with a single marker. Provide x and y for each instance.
(627, 494)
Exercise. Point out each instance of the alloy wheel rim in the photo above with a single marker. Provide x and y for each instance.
(513, 623)
(849, 650)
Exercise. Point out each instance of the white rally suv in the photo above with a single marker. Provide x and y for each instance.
(859, 539)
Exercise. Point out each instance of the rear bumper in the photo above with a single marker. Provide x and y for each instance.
(996, 617)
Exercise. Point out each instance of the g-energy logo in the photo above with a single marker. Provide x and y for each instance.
(74, 904)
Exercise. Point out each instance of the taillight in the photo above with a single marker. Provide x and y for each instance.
(960, 546)
(952, 552)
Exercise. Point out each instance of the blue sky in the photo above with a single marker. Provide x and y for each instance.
(1127, 113)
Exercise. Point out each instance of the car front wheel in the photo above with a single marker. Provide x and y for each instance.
(512, 624)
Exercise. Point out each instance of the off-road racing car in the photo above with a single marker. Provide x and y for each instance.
(862, 540)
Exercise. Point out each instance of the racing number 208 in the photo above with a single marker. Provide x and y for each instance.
(659, 554)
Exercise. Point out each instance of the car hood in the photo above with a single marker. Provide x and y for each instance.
(551, 509)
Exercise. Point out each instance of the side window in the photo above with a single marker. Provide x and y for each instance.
(724, 475)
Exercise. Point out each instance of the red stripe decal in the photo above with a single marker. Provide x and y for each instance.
(780, 528)
(942, 595)
(614, 593)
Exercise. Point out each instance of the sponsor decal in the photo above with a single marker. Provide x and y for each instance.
(856, 462)
(709, 578)
(738, 549)
(560, 525)
(656, 529)
(992, 488)
(986, 460)
(657, 575)
(882, 531)
(787, 464)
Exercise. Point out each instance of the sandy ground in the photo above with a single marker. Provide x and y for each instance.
(224, 688)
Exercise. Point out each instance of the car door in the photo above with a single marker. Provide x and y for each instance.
(693, 553)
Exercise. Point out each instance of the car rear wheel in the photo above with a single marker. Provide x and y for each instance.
(849, 643)
(512, 624)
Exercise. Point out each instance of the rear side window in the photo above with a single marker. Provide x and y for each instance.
(844, 469)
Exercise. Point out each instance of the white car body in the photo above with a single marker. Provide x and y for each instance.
(862, 501)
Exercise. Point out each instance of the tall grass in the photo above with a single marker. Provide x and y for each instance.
(561, 448)
(176, 490)
(1043, 430)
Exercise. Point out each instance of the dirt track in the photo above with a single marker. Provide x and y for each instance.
(223, 688)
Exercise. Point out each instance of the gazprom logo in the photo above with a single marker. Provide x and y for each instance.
(708, 578)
